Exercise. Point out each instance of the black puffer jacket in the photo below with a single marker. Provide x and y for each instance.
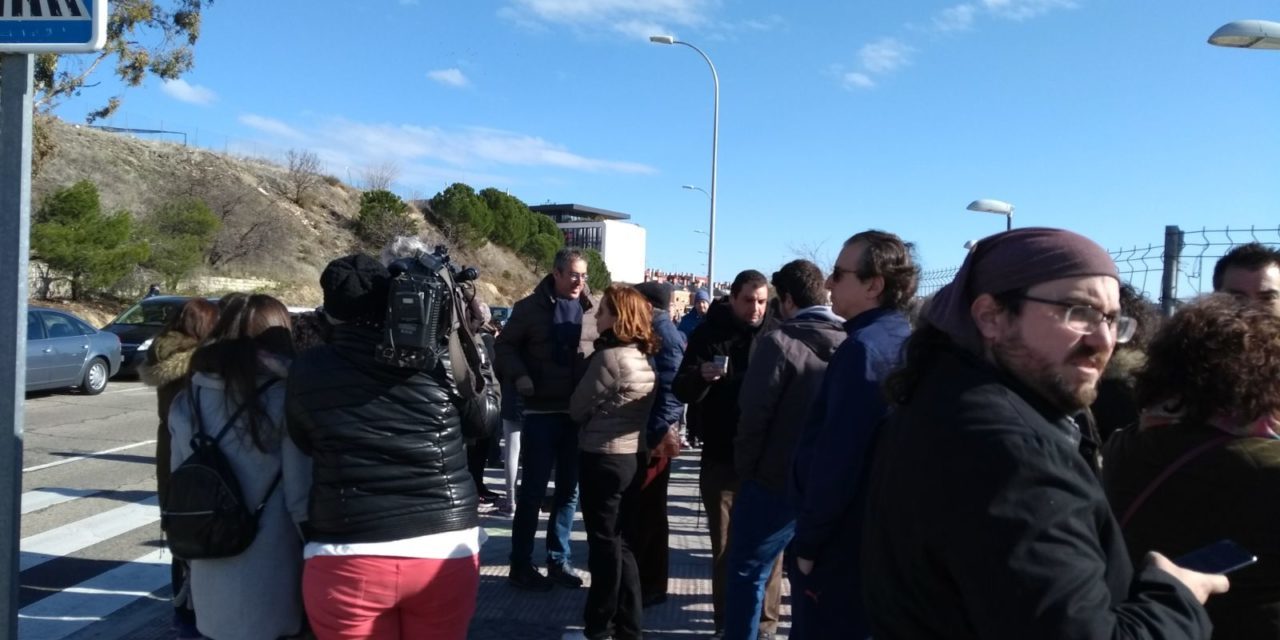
(386, 443)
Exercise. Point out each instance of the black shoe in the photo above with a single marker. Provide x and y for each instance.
(564, 575)
(653, 600)
(528, 578)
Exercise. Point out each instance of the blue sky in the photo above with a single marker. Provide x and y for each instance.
(1109, 117)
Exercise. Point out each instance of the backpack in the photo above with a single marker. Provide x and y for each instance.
(204, 514)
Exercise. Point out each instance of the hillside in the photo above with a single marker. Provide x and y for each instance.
(264, 234)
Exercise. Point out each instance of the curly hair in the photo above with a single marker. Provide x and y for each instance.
(1136, 305)
(635, 317)
(1217, 355)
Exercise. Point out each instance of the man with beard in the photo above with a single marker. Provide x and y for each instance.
(709, 379)
(984, 519)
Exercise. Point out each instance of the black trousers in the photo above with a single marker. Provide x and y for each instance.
(609, 486)
(653, 548)
(477, 455)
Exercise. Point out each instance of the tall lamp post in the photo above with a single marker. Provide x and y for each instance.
(1000, 207)
(715, 145)
(1247, 34)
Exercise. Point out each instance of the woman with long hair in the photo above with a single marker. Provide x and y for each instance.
(1203, 463)
(167, 368)
(611, 405)
(237, 379)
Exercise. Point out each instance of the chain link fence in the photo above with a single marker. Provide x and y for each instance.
(1179, 269)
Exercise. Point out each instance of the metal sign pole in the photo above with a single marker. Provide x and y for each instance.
(15, 217)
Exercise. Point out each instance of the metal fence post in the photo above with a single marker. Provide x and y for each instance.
(1169, 280)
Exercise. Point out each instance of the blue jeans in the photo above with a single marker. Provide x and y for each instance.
(762, 525)
(548, 440)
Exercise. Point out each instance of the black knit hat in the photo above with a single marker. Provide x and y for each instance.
(657, 293)
(355, 289)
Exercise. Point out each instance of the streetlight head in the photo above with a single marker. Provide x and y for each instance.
(987, 205)
(969, 245)
(1247, 34)
(687, 186)
(662, 39)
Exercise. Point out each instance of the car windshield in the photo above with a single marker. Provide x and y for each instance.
(151, 314)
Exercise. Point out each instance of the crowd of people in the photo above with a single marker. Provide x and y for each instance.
(1026, 454)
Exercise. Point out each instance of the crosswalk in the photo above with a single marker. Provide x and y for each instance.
(90, 562)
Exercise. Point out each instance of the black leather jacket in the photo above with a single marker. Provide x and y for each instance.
(386, 443)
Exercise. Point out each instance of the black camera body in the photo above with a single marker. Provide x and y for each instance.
(424, 303)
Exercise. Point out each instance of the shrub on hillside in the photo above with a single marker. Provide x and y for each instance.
(179, 233)
(383, 216)
(72, 235)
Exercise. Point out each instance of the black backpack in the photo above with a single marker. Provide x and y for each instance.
(204, 514)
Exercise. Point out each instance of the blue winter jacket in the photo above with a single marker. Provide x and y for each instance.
(667, 410)
(689, 322)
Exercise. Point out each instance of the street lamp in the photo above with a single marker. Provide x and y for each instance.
(970, 245)
(1001, 207)
(1247, 34)
(715, 140)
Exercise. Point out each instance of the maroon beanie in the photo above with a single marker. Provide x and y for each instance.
(1013, 260)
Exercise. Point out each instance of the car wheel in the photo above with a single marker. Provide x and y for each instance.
(95, 377)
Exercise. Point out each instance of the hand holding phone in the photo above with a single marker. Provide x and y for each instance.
(1221, 557)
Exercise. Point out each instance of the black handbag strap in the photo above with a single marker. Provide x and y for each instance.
(235, 416)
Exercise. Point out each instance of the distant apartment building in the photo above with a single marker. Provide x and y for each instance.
(620, 243)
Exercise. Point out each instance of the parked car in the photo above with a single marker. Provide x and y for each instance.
(139, 324)
(64, 351)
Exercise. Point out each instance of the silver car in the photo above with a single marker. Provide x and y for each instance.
(64, 351)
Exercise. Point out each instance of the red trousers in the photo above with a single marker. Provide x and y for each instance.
(382, 598)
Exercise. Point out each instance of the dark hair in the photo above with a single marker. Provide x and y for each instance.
(246, 330)
(803, 281)
(1144, 312)
(635, 317)
(926, 343)
(1250, 257)
(195, 319)
(749, 278)
(1215, 355)
(566, 257)
(235, 299)
(887, 256)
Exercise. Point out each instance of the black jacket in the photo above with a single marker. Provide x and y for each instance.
(986, 522)
(386, 443)
(526, 347)
(713, 406)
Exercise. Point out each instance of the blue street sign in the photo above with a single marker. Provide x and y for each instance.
(52, 26)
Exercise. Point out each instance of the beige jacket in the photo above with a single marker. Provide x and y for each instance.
(613, 401)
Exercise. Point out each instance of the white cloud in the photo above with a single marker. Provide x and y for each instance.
(956, 18)
(855, 80)
(179, 89)
(630, 17)
(884, 55)
(452, 77)
(1025, 9)
(270, 126)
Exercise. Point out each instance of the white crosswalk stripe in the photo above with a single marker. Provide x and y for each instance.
(41, 499)
(67, 539)
(60, 615)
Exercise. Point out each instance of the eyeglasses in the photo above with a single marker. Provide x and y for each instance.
(576, 277)
(1086, 320)
(838, 272)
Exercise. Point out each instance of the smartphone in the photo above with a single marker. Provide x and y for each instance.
(723, 363)
(1221, 557)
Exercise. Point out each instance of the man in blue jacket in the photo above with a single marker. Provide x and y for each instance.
(691, 320)
(873, 280)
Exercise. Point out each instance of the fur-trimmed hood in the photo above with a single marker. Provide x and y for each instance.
(168, 359)
(1124, 365)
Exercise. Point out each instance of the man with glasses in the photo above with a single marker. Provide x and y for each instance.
(542, 353)
(871, 284)
(984, 520)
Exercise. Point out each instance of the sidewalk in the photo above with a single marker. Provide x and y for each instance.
(506, 613)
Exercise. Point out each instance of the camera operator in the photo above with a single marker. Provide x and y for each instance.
(394, 534)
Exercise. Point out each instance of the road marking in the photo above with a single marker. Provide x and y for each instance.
(67, 539)
(94, 599)
(33, 501)
(128, 390)
(97, 454)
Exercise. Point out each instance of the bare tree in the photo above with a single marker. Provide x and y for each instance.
(303, 174)
(251, 226)
(380, 177)
(813, 252)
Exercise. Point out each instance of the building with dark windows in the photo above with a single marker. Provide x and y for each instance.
(620, 242)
